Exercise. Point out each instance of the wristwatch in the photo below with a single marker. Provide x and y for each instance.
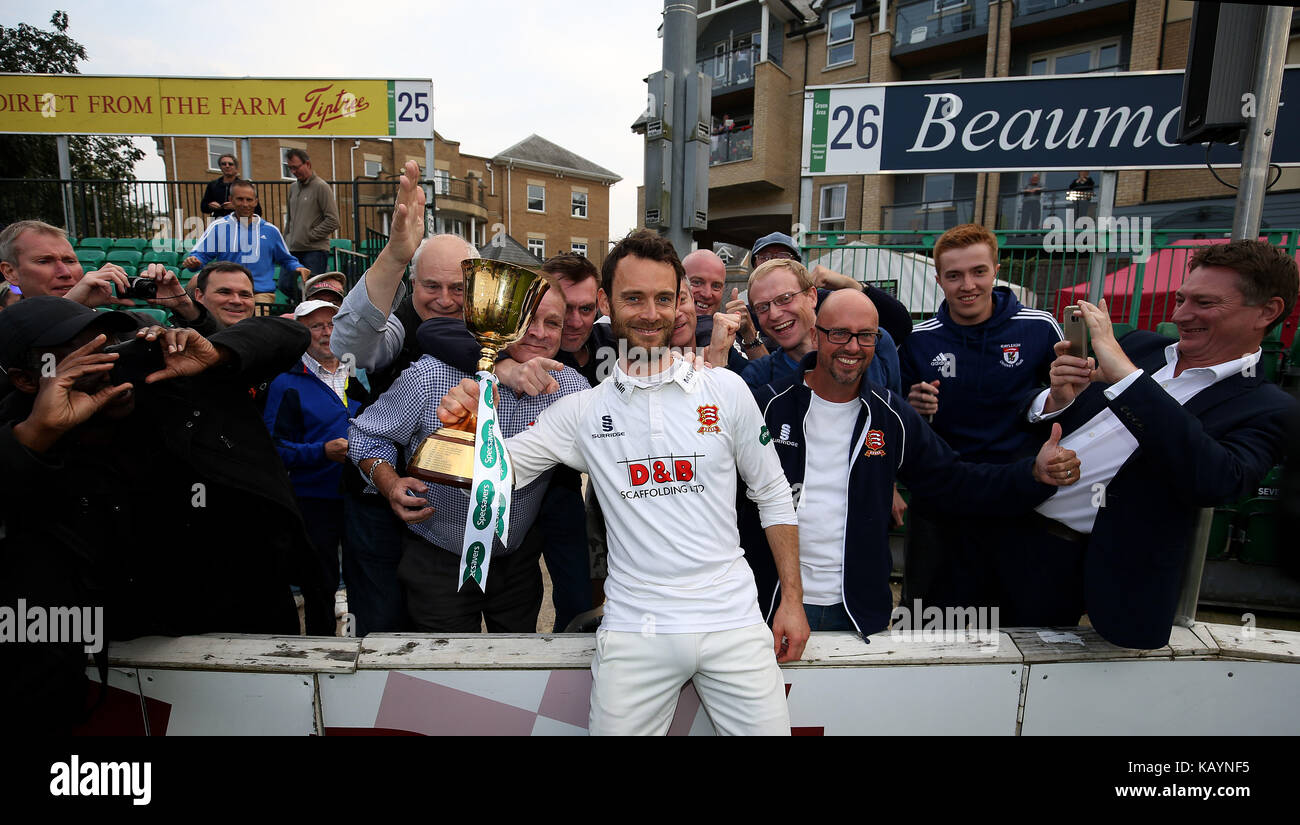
(749, 344)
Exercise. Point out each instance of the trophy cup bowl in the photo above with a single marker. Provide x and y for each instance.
(500, 301)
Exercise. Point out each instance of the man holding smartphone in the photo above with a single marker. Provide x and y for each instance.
(1162, 428)
(972, 369)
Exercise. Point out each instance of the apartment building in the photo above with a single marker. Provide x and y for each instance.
(762, 54)
(549, 198)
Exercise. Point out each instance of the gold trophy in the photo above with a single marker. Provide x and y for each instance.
(500, 301)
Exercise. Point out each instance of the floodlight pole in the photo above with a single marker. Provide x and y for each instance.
(65, 185)
(1271, 52)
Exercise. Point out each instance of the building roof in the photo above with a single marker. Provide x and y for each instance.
(502, 247)
(541, 153)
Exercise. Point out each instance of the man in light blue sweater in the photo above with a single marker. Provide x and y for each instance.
(245, 238)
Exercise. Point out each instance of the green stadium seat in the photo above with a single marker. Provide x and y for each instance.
(124, 256)
(161, 316)
(102, 244)
(91, 258)
(1122, 329)
(182, 275)
(340, 243)
(1259, 531)
(130, 271)
(167, 258)
(1168, 329)
(138, 244)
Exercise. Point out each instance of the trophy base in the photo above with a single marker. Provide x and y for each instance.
(445, 457)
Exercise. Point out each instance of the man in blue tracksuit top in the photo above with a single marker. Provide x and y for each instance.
(972, 369)
(830, 425)
(307, 412)
(246, 239)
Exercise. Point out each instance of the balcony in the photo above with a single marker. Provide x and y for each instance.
(464, 195)
(728, 147)
(733, 70)
(919, 23)
(928, 216)
(1015, 211)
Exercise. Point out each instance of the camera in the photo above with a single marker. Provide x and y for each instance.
(136, 360)
(141, 288)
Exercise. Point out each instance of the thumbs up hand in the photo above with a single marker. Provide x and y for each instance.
(1056, 465)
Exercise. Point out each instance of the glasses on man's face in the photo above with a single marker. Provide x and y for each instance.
(780, 300)
(773, 255)
(866, 339)
(227, 163)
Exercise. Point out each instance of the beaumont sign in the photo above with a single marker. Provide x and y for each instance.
(1125, 120)
(73, 104)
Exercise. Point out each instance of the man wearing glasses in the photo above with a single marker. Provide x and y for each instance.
(216, 198)
(784, 298)
(828, 426)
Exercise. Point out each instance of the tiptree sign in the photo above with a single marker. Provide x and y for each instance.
(1125, 120)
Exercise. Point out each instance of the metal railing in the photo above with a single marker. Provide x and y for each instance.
(469, 190)
(725, 147)
(928, 216)
(733, 69)
(1026, 7)
(174, 209)
(1139, 285)
(931, 19)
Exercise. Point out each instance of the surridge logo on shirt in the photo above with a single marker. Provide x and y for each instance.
(607, 428)
(708, 414)
(784, 437)
(1011, 355)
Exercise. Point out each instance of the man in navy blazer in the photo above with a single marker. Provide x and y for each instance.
(1161, 429)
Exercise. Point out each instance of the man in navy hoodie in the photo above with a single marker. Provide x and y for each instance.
(972, 369)
(828, 424)
(307, 412)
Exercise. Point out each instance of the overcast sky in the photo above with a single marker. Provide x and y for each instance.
(501, 69)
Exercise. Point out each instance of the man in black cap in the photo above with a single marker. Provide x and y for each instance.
(124, 472)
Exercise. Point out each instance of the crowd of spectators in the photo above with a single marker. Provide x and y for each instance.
(186, 477)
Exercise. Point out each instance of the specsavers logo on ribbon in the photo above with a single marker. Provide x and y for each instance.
(489, 510)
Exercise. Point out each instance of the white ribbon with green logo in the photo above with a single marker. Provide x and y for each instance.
(489, 506)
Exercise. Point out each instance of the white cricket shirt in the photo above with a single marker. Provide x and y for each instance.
(663, 453)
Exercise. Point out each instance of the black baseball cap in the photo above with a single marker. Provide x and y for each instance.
(48, 321)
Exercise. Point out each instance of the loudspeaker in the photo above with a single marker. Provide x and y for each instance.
(1221, 54)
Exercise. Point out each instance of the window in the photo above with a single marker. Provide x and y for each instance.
(578, 249)
(441, 182)
(1102, 56)
(537, 246)
(954, 74)
(216, 148)
(839, 36)
(945, 5)
(938, 191)
(373, 168)
(832, 207)
(284, 163)
(579, 204)
(536, 198)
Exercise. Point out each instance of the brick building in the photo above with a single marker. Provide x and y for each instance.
(547, 197)
(762, 54)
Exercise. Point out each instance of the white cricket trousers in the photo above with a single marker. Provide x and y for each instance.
(637, 678)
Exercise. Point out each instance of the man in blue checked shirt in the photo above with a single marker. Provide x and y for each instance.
(388, 432)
